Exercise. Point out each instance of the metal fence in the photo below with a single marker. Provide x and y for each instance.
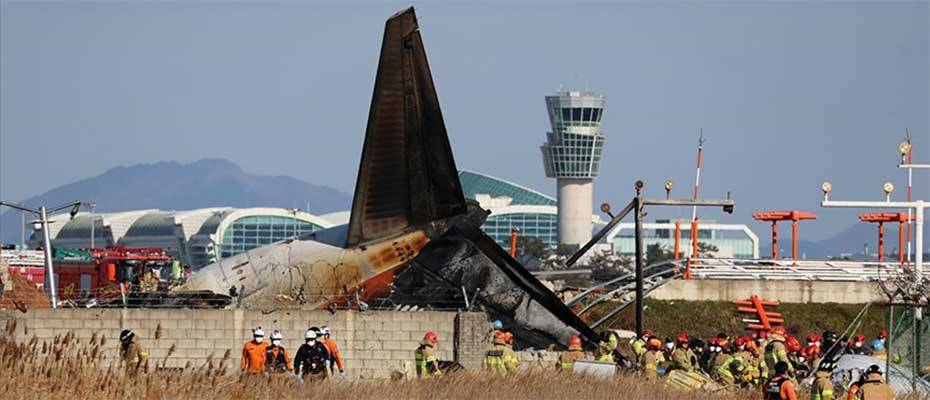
(909, 347)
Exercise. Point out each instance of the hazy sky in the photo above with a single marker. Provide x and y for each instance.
(788, 94)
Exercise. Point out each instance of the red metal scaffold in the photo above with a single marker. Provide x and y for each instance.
(766, 319)
(881, 219)
(775, 216)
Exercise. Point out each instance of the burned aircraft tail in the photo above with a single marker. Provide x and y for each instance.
(407, 180)
(407, 175)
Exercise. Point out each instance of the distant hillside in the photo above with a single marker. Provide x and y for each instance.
(849, 241)
(176, 186)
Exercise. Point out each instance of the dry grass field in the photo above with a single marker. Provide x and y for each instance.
(69, 368)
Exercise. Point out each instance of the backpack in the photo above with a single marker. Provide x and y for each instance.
(316, 362)
(278, 363)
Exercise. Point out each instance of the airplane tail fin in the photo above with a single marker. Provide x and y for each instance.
(407, 175)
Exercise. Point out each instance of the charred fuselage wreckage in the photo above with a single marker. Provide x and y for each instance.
(411, 231)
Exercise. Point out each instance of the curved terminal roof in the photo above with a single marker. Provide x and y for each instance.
(154, 224)
(475, 183)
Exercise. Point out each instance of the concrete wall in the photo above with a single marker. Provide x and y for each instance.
(373, 343)
(784, 291)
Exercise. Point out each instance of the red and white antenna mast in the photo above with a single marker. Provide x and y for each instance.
(910, 189)
(697, 191)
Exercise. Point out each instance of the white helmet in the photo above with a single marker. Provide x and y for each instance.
(276, 335)
(258, 334)
(325, 330)
(310, 335)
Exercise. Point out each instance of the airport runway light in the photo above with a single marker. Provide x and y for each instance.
(669, 184)
(605, 208)
(826, 187)
(904, 147)
(888, 187)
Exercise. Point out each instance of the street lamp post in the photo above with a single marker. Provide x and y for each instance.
(42, 214)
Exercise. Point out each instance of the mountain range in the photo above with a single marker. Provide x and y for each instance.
(178, 186)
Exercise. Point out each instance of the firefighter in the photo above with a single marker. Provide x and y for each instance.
(253, 353)
(713, 349)
(606, 347)
(857, 346)
(793, 346)
(730, 369)
(750, 373)
(811, 352)
(721, 351)
(699, 349)
(277, 362)
(494, 357)
(776, 350)
(334, 354)
(639, 344)
(822, 388)
(426, 363)
(312, 359)
(651, 359)
(498, 326)
(871, 386)
(756, 363)
(832, 348)
(574, 353)
(132, 354)
(511, 362)
(779, 387)
(682, 357)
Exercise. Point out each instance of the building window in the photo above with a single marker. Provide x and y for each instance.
(247, 233)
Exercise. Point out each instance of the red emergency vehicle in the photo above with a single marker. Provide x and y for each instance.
(100, 275)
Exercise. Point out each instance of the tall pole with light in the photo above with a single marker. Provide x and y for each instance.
(43, 223)
(907, 160)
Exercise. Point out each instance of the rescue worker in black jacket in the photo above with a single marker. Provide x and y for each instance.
(313, 359)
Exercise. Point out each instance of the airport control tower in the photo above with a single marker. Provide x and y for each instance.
(572, 155)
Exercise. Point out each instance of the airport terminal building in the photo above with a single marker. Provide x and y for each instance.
(512, 206)
(196, 237)
(200, 237)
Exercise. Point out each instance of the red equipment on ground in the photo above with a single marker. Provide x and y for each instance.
(765, 320)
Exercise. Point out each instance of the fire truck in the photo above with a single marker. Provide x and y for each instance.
(95, 273)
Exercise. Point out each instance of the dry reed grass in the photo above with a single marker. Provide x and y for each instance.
(70, 368)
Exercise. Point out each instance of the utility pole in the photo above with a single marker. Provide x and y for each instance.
(93, 222)
(638, 228)
(42, 214)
